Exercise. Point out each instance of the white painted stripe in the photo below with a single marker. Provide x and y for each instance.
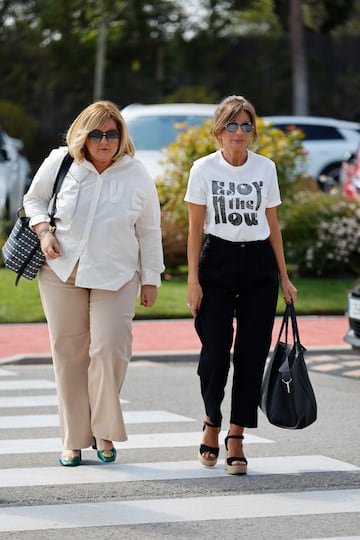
(28, 401)
(29, 421)
(70, 516)
(179, 470)
(52, 420)
(146, 440)
(32, 401)
(6, 373)
(334, 538)
(154, 417)
(27, 384)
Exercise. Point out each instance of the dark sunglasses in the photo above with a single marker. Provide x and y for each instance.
(96, 135)
(247, 127)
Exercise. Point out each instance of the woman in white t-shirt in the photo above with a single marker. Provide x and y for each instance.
(232, 196)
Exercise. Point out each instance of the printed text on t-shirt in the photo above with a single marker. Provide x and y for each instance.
(236, 203)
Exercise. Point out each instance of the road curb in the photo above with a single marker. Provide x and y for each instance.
(156, 356)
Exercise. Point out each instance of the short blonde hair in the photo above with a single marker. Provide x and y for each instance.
(228, 110)
(93, 117)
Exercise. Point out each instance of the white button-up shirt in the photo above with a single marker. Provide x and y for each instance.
(109, 223)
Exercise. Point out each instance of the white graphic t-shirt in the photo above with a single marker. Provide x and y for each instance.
(235, 197)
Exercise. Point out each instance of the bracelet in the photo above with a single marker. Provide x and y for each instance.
(50, 230)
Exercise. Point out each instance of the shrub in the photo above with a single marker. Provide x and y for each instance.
(321, 235)
(285, 149)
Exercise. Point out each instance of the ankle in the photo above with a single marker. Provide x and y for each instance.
(235, 430)
(68, 453)
(104, 444)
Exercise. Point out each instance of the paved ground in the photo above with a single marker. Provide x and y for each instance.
(301, 484)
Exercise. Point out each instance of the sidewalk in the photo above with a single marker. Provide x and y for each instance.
(166, 337)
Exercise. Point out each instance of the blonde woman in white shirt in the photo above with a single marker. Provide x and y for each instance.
(232, 196)
(107, 246)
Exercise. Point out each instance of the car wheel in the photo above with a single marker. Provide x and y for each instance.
(329, 179)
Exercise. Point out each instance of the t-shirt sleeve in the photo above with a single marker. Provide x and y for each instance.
(195, 192)
(274, 198)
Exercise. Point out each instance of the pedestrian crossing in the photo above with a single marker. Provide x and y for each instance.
(137, 512)
(26, 393)
(154, 471)
(52, 420)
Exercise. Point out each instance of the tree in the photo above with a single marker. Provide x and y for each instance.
(108, 11)
(298, 55)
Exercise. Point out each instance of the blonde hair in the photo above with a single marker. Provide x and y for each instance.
(93, 117)
(228, 110)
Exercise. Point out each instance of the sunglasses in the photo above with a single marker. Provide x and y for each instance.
(247, 127)
(96, 135)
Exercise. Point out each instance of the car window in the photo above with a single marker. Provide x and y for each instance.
(313, 132)
(156, 132)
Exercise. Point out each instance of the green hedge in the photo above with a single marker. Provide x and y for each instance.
(321, 235)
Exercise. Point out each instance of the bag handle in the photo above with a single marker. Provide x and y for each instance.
(285, 368)
(64, 167)
(294, 325)
(284, 324)
(290, 313)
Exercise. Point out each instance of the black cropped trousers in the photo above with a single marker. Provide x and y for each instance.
(240, 286)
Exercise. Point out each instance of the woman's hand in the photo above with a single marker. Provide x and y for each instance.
(289, 290)
(49, 246)
(148, 295)
(194, 298)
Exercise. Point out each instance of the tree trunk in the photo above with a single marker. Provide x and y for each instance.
(100, 58)
(298, 55)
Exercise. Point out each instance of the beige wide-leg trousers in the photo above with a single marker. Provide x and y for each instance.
(91, 345)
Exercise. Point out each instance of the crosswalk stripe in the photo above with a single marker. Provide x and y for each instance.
(52, 420)
(7, 373)
(28, 384)
(179, 470)
(134, 512)
(32, 401)
(146, 440)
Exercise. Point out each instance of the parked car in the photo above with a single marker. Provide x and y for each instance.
(353, 311)
(15, 176)
(326, 141)
(154, 127)
(350, 176)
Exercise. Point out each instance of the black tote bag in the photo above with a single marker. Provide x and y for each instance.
(287, 396)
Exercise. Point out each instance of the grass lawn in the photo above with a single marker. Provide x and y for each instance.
(22, 304)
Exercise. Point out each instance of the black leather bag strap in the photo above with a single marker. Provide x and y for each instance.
(284, 324)
(294, 325)
(64, 167)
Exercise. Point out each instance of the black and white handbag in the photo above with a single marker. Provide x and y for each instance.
(21, 251)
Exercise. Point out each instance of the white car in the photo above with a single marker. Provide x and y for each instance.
(154, 127)
(326, 141)
(15, 176)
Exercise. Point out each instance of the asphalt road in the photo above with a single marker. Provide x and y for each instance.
(301, 484)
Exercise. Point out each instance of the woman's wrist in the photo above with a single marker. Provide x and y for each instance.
(49, 230)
